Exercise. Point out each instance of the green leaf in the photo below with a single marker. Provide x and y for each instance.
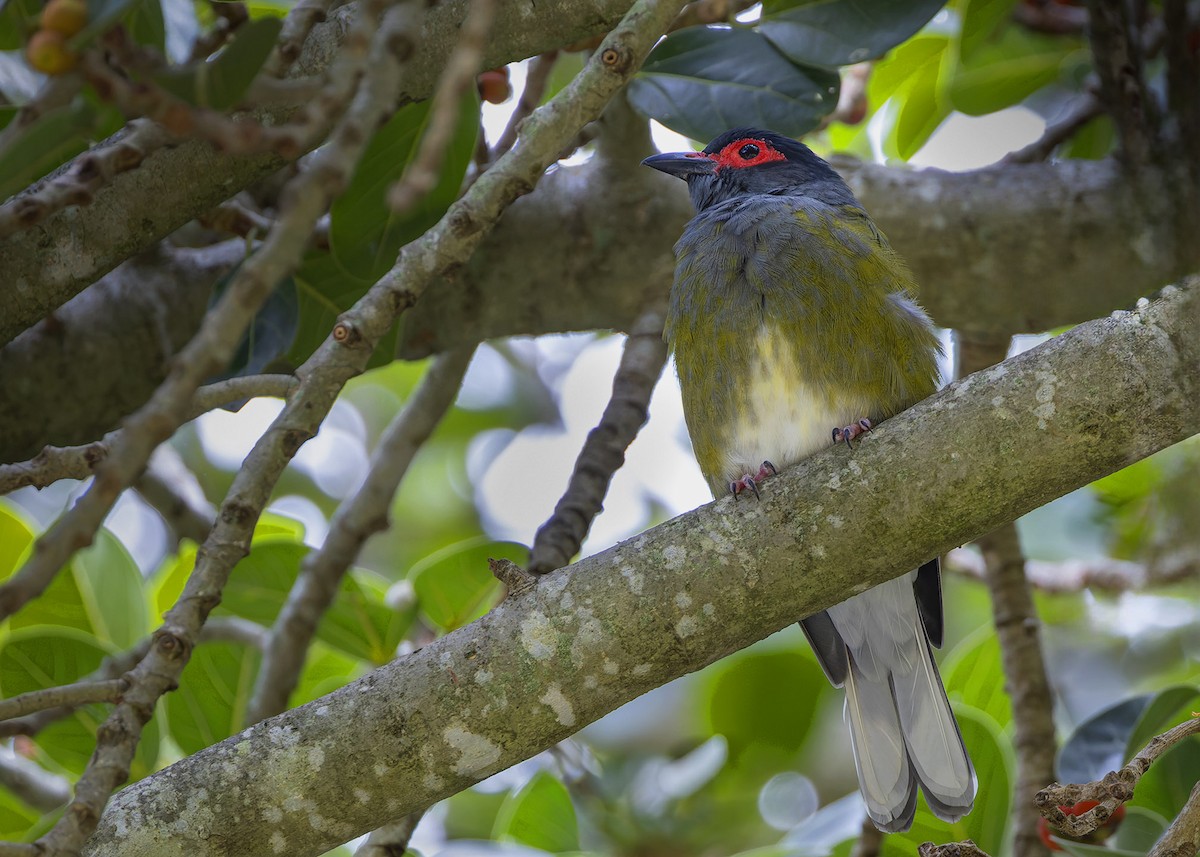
(763, 703)
(982, 20)
(974, 675)
(365, 234)
(994, 769)
(1140, 829)
(99, 592)
(358, 623)
(102, 14)
(16, 535)
(325, 670)
(1007, 70)
(839, 32)
(18, 20)
(540, 815)
(455, 586)
(210, 704)
(1167, 708)
(1098, 745)
(270, 334)
(40, 147)
(145, 23)
(16, 817)
(221, 82)
(702, 81)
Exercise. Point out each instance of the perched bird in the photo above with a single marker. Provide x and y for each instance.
(793, 322)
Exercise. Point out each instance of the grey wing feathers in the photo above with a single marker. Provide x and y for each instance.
(827, 645)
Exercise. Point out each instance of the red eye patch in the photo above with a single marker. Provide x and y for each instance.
(747, 152)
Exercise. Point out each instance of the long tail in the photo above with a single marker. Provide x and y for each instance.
(905, 734)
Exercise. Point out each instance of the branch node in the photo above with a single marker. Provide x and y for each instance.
(518, 580)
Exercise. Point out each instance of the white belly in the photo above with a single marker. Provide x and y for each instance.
(787, 420)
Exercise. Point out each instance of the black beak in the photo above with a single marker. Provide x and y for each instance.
(682, 164)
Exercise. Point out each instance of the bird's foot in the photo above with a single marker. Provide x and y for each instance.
(750, 482)
(852, 431)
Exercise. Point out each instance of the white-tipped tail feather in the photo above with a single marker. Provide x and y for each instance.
(901, 725)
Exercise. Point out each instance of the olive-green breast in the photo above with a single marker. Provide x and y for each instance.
(789, 317)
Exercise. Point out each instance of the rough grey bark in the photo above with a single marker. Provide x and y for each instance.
(593, 636)
(46, 265)
(981, 244)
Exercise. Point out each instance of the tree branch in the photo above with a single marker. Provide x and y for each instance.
(603, 452)
(1112, 791)
(1017, 628)
(355, 521)
(1182, 838)
(136, 209)
(67, 695)
(672, 600)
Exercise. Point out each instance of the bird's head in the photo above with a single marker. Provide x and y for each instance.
(748, 161)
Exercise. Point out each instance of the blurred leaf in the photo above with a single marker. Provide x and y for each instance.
(1083, 849)
(324, 291)
(974, 674)
(1093, 141)
(1098, 745)
(365, 234)
(168, 580)
(221, 82)
(702, 81)
(981, 21)
(1140, 829)
(16, 535)
(923, 108)
(99, 592)
(763, 703)
(270, 334)
(325, 670)
(1169, 707)
(565, 68)
(1007, 70)
(18, 19)
(1165, 788)
(471, 814)
(102, 14)
(210, 704)
(541, 815)
(16, 817)
(49, 656)
(40, 147)
(145, 23)
(994, 768)
(835, 823)
(455, 586)
(839, 32)
(358, 622)
(270, 525)
(905, 61)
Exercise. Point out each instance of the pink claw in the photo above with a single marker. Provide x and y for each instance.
(750, 483)
(850, 432)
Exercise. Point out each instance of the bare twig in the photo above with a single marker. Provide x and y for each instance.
(1104, 575)
(603, 452)
(870, 841)
(306, 198)
(235, 629)
(296, 26)
(1057, 19)
(354, 522)
(1082, 111)
(459, 76)
(1182, 838)
(80, 462)
(86, 175)
(1113, 790)
(1017, 628)
(230, 16)
(709, 12)
(537, 75)
(1123, 90)
(31, 782)
(237, 219)
(345, 354)
(951, 849)
(68, 695)
(392, 839)
(173, 491)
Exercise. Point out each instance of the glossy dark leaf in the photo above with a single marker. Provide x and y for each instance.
(541, 815)
(145, 23)
(702, 81)
(270, 334)
(39, 148)
(839, 32)
(1098, 745)
(221, 82)
(324, 291)
(365, 234)
(1007, 70)
(18, 19)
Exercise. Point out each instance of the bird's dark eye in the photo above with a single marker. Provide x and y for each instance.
(748, 152)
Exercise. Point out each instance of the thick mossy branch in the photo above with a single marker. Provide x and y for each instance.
(597, 634)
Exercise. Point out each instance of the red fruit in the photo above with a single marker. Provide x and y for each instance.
(493, 86)
(1096, 837)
